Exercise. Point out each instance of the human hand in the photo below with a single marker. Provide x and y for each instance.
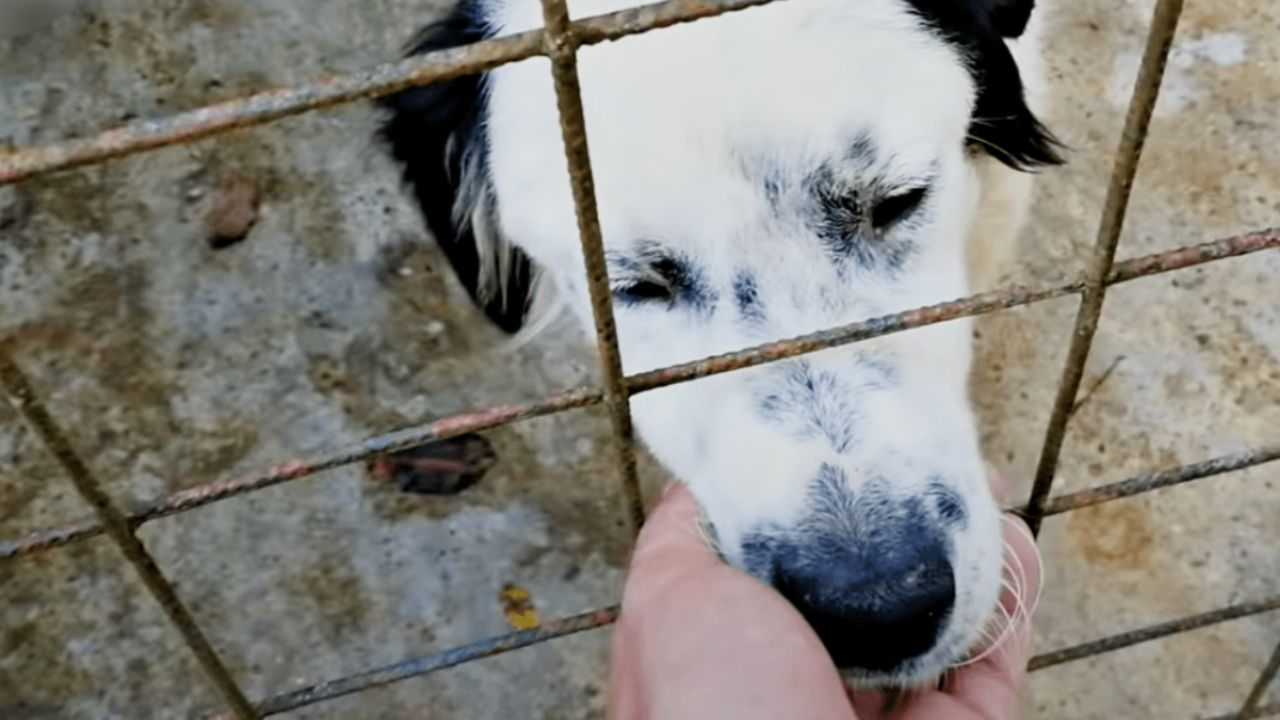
(700, 639)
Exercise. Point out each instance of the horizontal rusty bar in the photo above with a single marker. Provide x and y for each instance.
(49, 539)
(1162, 479)
(199, 495)
(302, 467)
(452, 657)
(980, 304)
(416, 667)
(384, 79)
(1153, 632)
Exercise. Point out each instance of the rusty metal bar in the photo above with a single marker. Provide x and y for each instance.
(1146, 90)
(269, 105)
(1253, 703)
(475, 421)
(302, 467)
(452, 657)
(417, 667)
(1163, 479)
(1270, 710)
(562, 48)
(23, 398)
(980, 304)
(1265, 711)
(1153, 632)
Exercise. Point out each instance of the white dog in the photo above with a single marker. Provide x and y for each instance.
(761, 175)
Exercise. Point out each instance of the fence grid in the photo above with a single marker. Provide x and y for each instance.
(559, 40)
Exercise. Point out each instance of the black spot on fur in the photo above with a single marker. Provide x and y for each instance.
(882, 374)
(811, 404)
(839, 521)
(947, 503)
(437, 133)
(1002, 124)
(772, 188)
(870, 518)
(654, 273)
(746, 296)
(845, 221)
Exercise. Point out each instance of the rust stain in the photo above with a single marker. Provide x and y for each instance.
(1116, 535)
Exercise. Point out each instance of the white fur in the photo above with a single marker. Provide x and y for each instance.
(682, 125)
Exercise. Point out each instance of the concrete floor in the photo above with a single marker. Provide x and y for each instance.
(171, 363)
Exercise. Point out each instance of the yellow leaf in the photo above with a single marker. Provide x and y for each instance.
(517, 606)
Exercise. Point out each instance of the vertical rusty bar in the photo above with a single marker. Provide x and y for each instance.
(1146, 90)
(18, 389)
(1253, 704)
(1270, 710)
(562, 48)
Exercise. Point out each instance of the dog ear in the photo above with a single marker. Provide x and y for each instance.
(1009, 17)
(437, 134)
(1003, 125)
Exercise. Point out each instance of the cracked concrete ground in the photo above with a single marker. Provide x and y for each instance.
(171, 363)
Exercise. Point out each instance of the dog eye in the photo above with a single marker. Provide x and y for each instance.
(643, 291)
(894, 208)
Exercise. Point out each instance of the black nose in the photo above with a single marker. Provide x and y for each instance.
(874, 604)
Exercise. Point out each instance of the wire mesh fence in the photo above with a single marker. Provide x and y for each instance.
(559, 40)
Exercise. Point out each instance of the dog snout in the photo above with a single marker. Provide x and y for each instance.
(871, 570)
(874, 608)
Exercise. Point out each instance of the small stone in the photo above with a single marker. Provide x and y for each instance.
(232, 213)
(435, 327)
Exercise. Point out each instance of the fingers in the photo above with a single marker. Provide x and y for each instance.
(999, 484)
(991, 685)
(670, 549)
(672, 526)
(699, 639)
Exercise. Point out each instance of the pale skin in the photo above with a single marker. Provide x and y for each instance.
(698, 639)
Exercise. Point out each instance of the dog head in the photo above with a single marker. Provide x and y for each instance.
(762, 175)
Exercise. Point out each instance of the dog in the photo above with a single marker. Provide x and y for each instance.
(761, 175)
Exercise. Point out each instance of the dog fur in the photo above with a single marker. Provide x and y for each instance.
(762, 175)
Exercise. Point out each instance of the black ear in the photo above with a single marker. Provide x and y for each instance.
(1009, 17)
(1002, 125)
(437, 133)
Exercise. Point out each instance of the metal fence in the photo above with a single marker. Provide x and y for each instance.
(559, 40)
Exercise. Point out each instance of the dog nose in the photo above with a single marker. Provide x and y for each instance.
(875, 606)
